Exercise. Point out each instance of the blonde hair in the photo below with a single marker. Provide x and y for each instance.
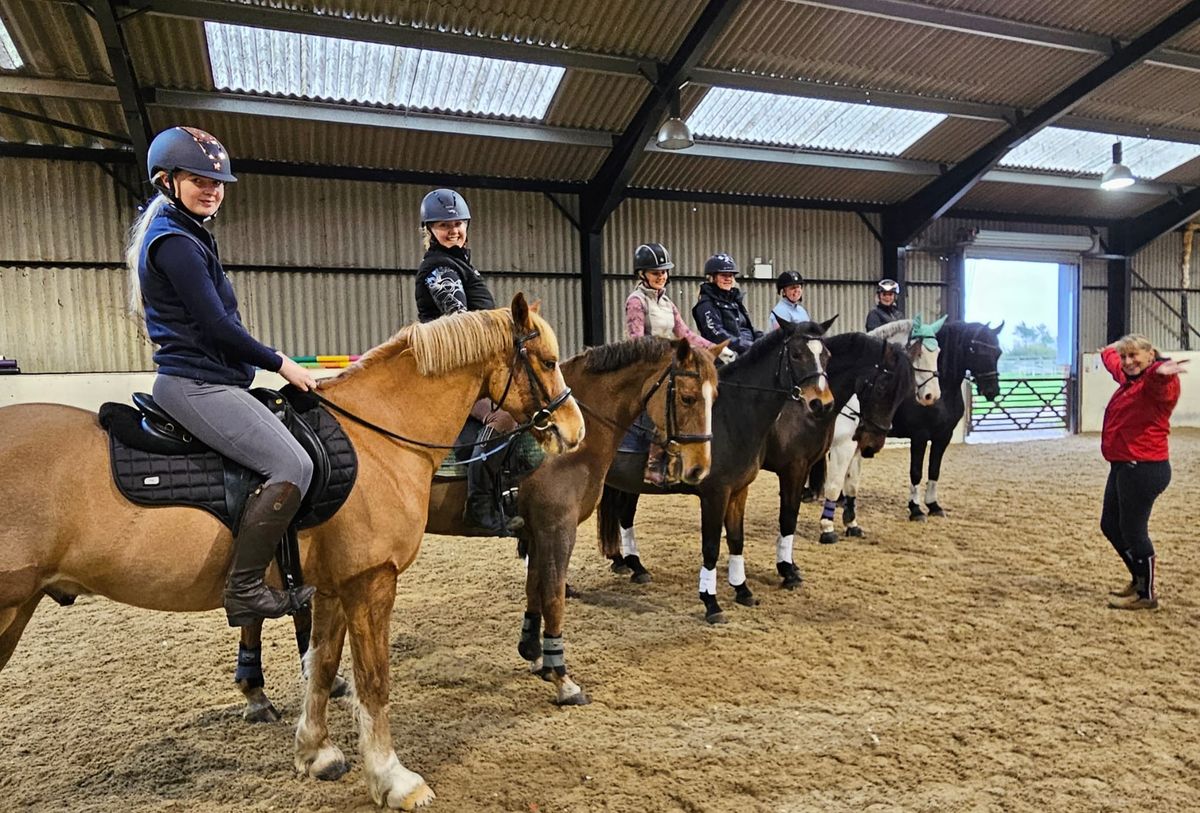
(133, 254)
(1134, 341)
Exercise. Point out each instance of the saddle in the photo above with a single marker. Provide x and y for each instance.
(155, 462)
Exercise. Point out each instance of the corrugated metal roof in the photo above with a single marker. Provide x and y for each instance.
(1112, 18)
(10, 59)
(56, 39)
(339, 144)
(169, 52)
(667, 171)
(1047, 200)
(283, 63)
(1188, 174)
(954, 139)
(101, 116)
(794, 121)
(779, 38)
(1149, 95)
(596, 101)
(1082, 152)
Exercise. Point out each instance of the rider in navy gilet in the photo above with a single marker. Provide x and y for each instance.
(720, 313)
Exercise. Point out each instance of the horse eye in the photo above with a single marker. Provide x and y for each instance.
(549, 364)
(687, 400)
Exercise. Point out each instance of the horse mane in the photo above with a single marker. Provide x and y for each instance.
(615, 356)
(953, 336)
(445, 344)
(896, 332)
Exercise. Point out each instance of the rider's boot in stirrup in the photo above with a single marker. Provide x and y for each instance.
(269, 510)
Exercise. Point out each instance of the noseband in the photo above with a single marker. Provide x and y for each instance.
(930, 374)
(991, 375)
(541, 417)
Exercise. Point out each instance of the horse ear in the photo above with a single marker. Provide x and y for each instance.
(520, 310)
(536, 307)
(716, 349)
(999, 328)
(787, 327)
(682, 350)
(825, 325)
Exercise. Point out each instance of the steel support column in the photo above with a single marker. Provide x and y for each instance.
(592, 267)
(1120, 282)
(132, 104)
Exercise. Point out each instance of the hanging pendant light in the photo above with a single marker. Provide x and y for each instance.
(1118, 175)
(674, 133)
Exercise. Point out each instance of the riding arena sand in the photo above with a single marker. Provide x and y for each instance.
(964, 664)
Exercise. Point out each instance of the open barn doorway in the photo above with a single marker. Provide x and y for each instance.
(1038, 303)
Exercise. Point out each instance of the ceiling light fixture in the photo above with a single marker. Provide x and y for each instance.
(1118, 175)
(674, 133)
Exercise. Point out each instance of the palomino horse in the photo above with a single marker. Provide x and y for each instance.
(788, 363)
(881, 376)
(613, 384)
(843, 462)
(966, 347)
(423, 381)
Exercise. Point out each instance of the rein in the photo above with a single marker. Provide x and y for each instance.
(672, 438)
(794, 391)
(540, 419)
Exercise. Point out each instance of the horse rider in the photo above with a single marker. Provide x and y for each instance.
(447, 283)
(719, 312)
(206, 358)
(790, 287)
(650, 312)
(886, 308)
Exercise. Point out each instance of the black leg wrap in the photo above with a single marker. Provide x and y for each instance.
(639, 573)
(915, 514)
(530, 647)
(249, 667)
(848, 512)
(935, 510)
(744, 596)
(712, 610)
(302, 637)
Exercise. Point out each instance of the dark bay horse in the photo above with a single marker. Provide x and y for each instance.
(422, 382)
(966, 347)
(879, 374)
(787, 365)
(613, 384)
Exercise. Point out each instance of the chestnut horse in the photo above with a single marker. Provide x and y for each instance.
(422, 382)
(613, 384)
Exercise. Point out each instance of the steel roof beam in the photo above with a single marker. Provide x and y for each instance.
(128, 90)
(1140, 231)
(983, 25)
(928, 204)
(604, 194)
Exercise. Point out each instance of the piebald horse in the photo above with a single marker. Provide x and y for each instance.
(422, 383)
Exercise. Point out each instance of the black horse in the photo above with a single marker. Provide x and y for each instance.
(787, 365)
(881, 374)
(967, 347)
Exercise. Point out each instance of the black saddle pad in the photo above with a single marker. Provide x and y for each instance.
(152, 472)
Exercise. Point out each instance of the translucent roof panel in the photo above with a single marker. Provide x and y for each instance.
(301, 65)
(794, 121)
(10, 60)
(1082, 152)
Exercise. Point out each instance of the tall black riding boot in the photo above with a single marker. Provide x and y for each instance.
(269, 510)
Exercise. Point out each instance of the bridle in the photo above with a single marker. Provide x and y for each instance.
(673, 438)
(931, 375)
(867, 385)
(539, 420)
(992, 376)
(792, 390)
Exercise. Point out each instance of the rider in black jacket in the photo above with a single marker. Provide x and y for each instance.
(720, 313)
(886, 309)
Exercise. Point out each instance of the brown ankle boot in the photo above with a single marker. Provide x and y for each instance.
(268, 512)
(1126, 591)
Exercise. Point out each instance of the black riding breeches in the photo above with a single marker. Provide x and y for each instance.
(1129, 496)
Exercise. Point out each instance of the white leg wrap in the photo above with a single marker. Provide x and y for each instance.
(913, 494)
(783, 548)
(628, 542)
(737, 570)
(826, 525)
(708, 581)
(931, 492)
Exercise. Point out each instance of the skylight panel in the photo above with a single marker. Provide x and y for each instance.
(10, 60)
(282, 63)
(795, 121)
(1081, 152)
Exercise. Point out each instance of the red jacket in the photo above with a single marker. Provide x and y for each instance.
(1137, 419)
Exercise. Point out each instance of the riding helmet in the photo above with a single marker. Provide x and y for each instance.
(189, 149)
(444, 204)
(651, 257)
(887, 286)
(720, 263)
(786, 279)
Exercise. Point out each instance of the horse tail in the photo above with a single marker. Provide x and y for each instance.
(816, 477)
(608, 522)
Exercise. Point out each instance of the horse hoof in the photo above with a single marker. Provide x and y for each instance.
(333, 771)
(828, 538)
(641, 578)
(716, 618)
(935, 510)
(577, 699)
(572, 592)
(619, 567)
(419, 797)
(854, 530)
(340, 687)
(747, 600)
(261, 713)
(916, 517)
(791, 582)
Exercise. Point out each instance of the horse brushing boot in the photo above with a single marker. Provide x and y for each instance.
(269, 510)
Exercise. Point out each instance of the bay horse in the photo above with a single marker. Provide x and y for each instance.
(786, 365)
(842, 466)
(422, 381)
(966, 347)
(613, 384)
(879, 374)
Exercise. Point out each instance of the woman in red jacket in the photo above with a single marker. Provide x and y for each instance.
(1134, 442)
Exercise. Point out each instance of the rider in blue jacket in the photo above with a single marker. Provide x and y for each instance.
(720, 313)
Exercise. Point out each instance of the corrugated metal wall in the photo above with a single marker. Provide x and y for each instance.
(326, 266)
